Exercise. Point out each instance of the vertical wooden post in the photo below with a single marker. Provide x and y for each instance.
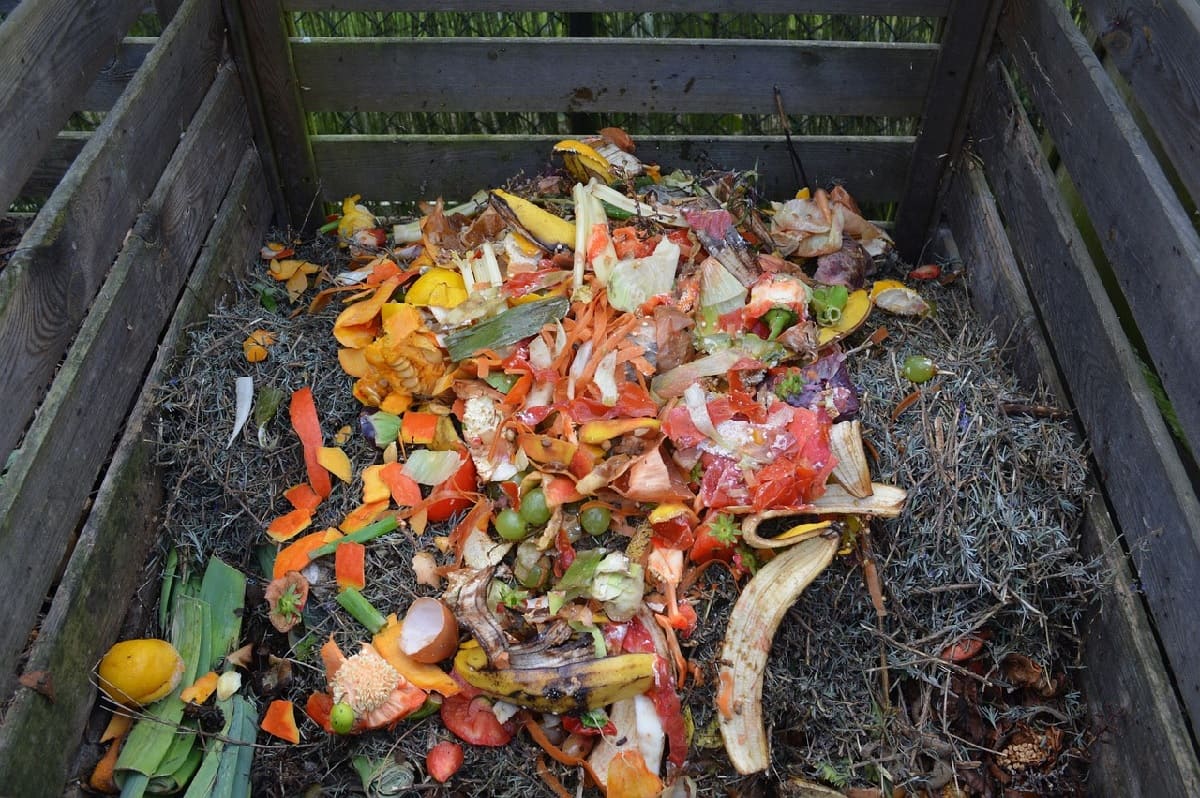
(259, 39)
(966, 40)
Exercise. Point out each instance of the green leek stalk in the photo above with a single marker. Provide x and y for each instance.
(363, 611)
(367, 533)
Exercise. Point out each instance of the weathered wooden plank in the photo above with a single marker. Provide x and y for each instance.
(48, 482)
(54, 164)
(616, 75)
(997, 288)
(48, 284)
(933, 8)
(38, 738)
(1155, 255)
(114, 76)
(1151, 495)
(1143, 746)
(1153, 44)
(49, 53)
(966, 40)
(406, 168)
(260, 46)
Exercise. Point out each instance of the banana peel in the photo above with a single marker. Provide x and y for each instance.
(573, 687)
(544, 228)
(752, 624)
(583, 162)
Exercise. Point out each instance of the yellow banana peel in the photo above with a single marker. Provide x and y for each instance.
(544, 228)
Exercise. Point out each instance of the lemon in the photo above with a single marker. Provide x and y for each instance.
(440, 287)
(139, 672)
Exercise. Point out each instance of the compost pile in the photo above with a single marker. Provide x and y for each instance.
(524, 490)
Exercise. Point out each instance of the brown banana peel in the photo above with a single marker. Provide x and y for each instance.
(575, 686)
(752, 624)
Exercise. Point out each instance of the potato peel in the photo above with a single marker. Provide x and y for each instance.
(752, 624)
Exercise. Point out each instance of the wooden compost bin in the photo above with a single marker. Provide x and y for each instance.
(205, 139)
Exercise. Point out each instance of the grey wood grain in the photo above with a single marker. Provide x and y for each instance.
(966, 40)
(1150, 242)
(615, 75)
(403, 168)
(64, 256)
(47, 485)
(37, 737)
(49, 53)
(1142, 748)
(1151, 495)
(114, 76)
(1155, 45)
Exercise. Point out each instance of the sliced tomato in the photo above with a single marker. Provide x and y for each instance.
(454, 490)
(716, 539)
(444, 760)
(573, 725)
(472, 721)
(633, 401)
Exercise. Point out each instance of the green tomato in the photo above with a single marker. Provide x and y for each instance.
(510, 525)
(918, 369)
(595, 520)
(534, 508)
(341, 718)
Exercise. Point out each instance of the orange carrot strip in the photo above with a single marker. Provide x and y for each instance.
(551, 780)
(302, 497)
(288, 525)
(559, 755)
(303, 412)
(294, 557)
(362, 515)
(405, 490)
(280, 721)
(418, 427)
(905, 403)
(427, 677)
(350, 566)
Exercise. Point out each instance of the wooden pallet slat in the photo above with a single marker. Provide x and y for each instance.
(675, 76)
(45, 490)
(38, 738)
(114, 76)
(50, 281)
(1127, 687)
(1151, 494)
(1153, 44)
(1150, 242)
(418, 167)
(56, 47)
(966, 41)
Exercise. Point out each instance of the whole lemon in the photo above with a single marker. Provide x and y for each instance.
(140, 672)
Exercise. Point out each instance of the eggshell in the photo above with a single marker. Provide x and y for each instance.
(430, 631)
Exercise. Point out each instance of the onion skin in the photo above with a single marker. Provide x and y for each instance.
(752, 624)
(444, 642)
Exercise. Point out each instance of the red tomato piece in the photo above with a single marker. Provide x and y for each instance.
(454, 491)
(716, 539)
(472, 721)
(444, 760)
